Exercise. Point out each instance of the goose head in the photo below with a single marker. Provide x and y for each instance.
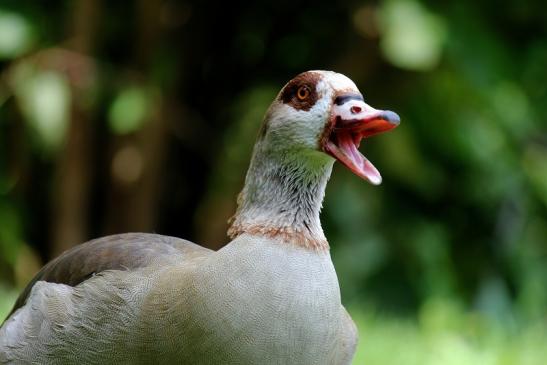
(317, 118)
(324, 112)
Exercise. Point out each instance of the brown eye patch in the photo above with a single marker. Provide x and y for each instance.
(301, 92)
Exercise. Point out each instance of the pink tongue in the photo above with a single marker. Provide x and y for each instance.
(346, 152)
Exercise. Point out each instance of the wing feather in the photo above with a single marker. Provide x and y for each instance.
(117, 252)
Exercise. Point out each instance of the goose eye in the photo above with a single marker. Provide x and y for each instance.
(303, 93)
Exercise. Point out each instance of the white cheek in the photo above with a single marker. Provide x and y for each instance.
(300, 128)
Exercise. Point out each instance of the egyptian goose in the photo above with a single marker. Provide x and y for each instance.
(271, 296)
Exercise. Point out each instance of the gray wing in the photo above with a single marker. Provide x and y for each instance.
(118, 252)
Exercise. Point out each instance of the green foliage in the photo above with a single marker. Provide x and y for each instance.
(16, 34)
(44, 97)
(7, 298)
(10, 233)
(130, 109)
(413, 38)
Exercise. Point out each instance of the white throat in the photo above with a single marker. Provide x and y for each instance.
(283, 195)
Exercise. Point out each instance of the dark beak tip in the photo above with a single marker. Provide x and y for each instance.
(391, 117)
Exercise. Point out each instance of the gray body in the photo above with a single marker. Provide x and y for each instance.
(189, 306)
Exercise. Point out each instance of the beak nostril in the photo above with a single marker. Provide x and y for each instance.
(355, 109)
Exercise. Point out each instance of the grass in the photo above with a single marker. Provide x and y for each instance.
(442, 334)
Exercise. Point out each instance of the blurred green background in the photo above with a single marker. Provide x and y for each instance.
(141, 115)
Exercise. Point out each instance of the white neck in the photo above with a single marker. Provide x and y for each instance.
(282, 196)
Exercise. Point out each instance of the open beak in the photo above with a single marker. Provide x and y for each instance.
(351, 121)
